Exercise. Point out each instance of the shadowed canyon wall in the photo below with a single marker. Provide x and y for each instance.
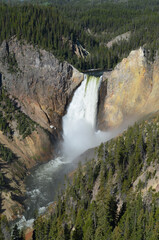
(41, 87)
(42, 84)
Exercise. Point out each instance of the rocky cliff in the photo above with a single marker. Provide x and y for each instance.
(42, 84)
(130, 91)
(35, 89)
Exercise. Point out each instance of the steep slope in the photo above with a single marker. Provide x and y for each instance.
(35, 89)
(113, 196)
(42, 85)
(118, 39)
(130, 90)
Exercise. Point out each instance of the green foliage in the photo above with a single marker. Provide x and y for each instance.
(81, 213)
(59, 28)
(6, 154)
(9, 112)
(2, 181)
(12, 63)
(24, 124)
(4, 228)
(16, 234)
(4, 126)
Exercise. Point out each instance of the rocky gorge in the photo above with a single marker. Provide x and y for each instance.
(42, 87)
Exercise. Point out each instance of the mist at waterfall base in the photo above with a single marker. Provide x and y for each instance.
(79, 134)
(79, 124)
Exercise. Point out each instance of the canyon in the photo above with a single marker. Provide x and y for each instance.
(43, 87)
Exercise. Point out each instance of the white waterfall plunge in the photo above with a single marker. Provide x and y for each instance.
(79, 133)
(79, 124)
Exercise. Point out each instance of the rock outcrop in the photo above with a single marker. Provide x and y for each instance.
(43, 85)
(131, 91)
(117, 40)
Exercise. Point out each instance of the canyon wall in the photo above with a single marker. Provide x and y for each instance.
(130, 91)
(42, 84)
(40, 87)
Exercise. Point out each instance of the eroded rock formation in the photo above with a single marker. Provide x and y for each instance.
(42, 84)
(131, 91)
(42, 87)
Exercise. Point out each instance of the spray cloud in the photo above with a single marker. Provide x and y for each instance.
(79, 124)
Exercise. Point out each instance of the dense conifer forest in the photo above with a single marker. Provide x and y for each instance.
(62, 28)
(101, 200)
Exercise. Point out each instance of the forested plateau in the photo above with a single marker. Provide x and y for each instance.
(79, 31)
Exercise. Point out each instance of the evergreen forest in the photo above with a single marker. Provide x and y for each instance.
(83, 26)
(105, 197)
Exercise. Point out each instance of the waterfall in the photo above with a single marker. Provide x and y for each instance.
(91, 99)
(79, 124)
(79, 134)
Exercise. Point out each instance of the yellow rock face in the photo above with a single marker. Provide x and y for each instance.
(35, 148)
(132, 90)
(152, 104)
